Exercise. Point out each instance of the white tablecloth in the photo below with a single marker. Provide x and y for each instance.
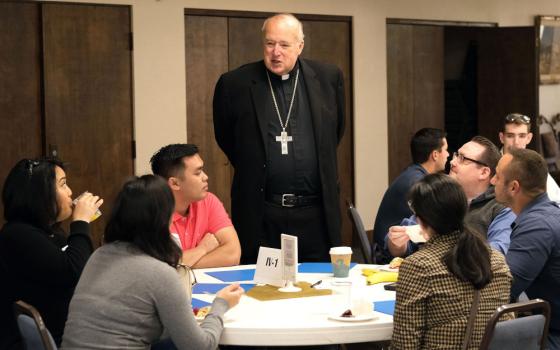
(300, 321)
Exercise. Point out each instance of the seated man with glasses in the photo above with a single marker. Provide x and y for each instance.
(516, 133)
(473, 166)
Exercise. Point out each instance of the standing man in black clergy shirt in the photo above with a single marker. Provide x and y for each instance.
(279, 121)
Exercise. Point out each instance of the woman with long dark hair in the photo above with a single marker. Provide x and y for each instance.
(438, 284)
(38, 264)
(130, 291)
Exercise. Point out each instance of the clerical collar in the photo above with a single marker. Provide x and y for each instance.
(286, 76)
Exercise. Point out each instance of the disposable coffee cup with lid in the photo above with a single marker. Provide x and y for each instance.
(340, 259)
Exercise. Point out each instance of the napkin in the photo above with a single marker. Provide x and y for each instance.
(374, 276)
(414, 232)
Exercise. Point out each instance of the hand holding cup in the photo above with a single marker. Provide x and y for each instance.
(86, 207)
(398, 236)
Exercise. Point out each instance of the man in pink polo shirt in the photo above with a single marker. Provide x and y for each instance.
(200, 222)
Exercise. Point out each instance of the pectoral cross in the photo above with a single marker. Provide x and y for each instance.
(284, 139)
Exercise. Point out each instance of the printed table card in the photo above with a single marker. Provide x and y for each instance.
(269, 269)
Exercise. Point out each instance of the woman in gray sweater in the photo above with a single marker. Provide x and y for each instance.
(130, 295)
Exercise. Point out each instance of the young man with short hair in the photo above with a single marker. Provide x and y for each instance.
(517, 133)
(200, 223)
(428, 148)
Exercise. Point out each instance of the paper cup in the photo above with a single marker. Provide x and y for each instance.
(340, 259)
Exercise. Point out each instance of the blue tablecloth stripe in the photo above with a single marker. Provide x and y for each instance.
(386, 307)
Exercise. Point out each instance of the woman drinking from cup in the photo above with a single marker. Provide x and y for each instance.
(38, 264)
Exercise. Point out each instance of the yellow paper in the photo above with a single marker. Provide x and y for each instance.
(374, 276)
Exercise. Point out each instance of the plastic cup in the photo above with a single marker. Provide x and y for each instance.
(97, 212)
(361, 303)
(342, 294)
(340, 260)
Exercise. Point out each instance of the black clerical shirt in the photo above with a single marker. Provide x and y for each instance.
(295, 172)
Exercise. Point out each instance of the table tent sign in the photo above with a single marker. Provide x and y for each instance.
(278, 267)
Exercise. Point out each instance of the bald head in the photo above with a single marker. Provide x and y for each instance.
(282, 43)
(287, 20)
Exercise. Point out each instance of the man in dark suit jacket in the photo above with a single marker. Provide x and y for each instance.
(279, 121)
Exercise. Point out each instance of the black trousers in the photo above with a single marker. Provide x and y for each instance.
(307, 223)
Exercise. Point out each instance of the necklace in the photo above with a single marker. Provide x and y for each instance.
(284, 138)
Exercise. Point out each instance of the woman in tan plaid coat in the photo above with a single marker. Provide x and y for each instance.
(437, 284)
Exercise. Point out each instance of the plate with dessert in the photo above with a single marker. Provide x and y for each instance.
(348, 316)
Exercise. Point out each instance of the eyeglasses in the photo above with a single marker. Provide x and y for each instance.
(30, 165)
(187, 271)
(461, 157)
(410, 207)
(517, 118)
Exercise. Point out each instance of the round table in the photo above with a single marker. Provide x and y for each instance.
(300, 321)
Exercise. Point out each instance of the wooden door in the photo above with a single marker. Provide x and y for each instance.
(88, 97)
(415, 87)
(330, 41)
(507, 79)
(20, 86)
(245, 38)
(238, 39)
(206, 59)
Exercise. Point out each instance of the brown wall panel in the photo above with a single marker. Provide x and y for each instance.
(20, 86)
(507, 79)
(415, 87)
(330, 42)
(206, 59)
(88, 97)
(245, 38)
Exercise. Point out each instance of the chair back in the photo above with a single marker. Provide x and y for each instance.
(360, 231)
(32, 328)
(523, 333)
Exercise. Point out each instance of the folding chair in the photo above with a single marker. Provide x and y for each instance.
(32, 328)
(524, 333)
(360, 231)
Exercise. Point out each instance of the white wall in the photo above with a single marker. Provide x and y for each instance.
(159, 67)
(549, 100)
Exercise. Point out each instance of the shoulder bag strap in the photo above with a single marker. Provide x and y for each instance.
(472, 317)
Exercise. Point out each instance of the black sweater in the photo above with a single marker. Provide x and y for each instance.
(35, 268)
